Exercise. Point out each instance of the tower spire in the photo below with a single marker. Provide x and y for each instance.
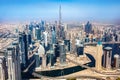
(60, 16)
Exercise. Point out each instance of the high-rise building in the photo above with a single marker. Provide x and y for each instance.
(45, 39)
(13, 61)
(37, 59)
(80, 49)
(53, 37)
(116, 61)
(11, 66)
(88, 28)
(17, 60)
(107, 57)
(34, 33)
(3, 67)
(22, 48)
(50, 57)
(42, 27)
(99, 56)
(25, 40)
(68, 45)
(38, 33)
(44, 61)
(62, 52)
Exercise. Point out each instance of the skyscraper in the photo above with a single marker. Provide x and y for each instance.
(45, 37)
(3, 67)
(25, 40)
(116, 61)
(22, 48)
(62, 52)
(17, 60)
(107, 57)
(99, 56)
(11, 66)
(13, 61)
(53, 36)
(38, 33)
(88, 28)
(37, 59)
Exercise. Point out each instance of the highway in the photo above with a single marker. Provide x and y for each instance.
(95, 43)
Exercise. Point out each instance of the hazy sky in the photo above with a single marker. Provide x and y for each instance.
(48, 10)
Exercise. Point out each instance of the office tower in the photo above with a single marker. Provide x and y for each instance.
(3, 67)
(37, 59)
(57, 50)
(38, 33)
(68, 45)
(88, 28)
(118, 37)
(80, 49)
(25, 40)
(29, 39)
(44, 61)
(50, 56)
(116, 61)
(42, 27)
(87, 39)
(17, 60)
(62, 52)
(45, 38)
(41, 52)
(53, 37)
(22, 48)
(107, 57)
(13, 71)
(99, 54)
(34, 33)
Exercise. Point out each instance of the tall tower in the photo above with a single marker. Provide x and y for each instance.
(107, 57)
(99, 56)
(60, 17)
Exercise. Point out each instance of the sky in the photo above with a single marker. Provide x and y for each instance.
(72, 10)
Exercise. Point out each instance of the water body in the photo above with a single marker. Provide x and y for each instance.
(67, 71)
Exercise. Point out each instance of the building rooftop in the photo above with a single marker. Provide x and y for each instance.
(107, 48)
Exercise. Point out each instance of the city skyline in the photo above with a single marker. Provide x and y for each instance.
(72, 10)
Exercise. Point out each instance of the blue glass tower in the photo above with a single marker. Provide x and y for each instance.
(88, 28)
(53, 37)
(37, 59)
(38, 33)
